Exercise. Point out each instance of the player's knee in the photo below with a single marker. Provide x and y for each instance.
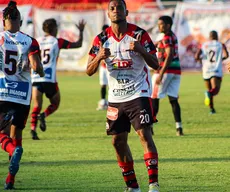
(215, 91)
(118, 142)
(145, 133)
(173, 100)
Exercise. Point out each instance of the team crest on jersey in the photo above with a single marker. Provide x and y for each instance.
(122, 64)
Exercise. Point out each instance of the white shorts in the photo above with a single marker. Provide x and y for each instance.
(170, 86)
(103, 76)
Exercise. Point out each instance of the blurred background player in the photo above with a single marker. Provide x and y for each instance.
(50, 47)
(127, 51)
(103, 80)
(212, 53)
(166, 80)
(17, 52)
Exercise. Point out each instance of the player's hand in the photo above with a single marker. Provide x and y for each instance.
(81, 25)
(159, 79)
(103, 52)
(42, 73)
(136, 45)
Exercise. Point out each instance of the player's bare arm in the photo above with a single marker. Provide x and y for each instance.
(168, 60)
(225, 54)
(150, 59)
(198, 54)
(36, 64)
(94, 62)
(81, 27)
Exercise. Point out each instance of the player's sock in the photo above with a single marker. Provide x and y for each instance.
(178, 125)
(214, 91)
(17, 142)
(151, 162)
(128, 174)
(176, 110)
(7, 143)
(34, 118)
(50, 109)
(10, 178)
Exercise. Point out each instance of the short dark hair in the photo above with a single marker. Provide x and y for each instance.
(119, 1)
(11, 11)
(213, 34)
(48, 25)
(166, 19)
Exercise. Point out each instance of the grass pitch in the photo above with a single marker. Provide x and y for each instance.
(76, 155)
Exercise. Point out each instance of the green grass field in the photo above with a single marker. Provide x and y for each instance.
(76, 155)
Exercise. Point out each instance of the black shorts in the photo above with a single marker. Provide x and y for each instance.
(50, 89)
(20, 115)
(120, 116)
(220, 78)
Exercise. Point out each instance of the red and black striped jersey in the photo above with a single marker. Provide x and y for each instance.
(169, 40)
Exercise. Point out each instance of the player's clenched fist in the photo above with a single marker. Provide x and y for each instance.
(103, 52)
(136, 45)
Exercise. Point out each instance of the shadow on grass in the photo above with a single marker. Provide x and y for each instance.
(95, 162)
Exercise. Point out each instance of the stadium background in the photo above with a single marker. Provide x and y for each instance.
(192, 23)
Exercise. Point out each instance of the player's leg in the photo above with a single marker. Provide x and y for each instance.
(141, 117)
(18, 124)
(125, 160)
(53, 93)
(37, 106)
(6, 119)
(215, 88)
(208, 101)
(15, 157)
(158, 91)
(150, 156)
(172, 91)
(118, 125)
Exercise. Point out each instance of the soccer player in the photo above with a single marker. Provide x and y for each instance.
(127, 51)
(103, 80)
(18, 52)
(166, 80)
(50, 47)
(212, 53)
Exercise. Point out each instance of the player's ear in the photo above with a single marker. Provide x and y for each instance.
(127, 12)
(3, 23)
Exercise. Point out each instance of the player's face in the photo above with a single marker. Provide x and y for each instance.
(162, 26)
(117, 11)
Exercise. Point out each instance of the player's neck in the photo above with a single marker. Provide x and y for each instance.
(119, 29)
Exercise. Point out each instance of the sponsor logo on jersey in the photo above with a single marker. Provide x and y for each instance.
(15, 42)
(11, 85)
(122, 64)
(126, 91)
(123, 81)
